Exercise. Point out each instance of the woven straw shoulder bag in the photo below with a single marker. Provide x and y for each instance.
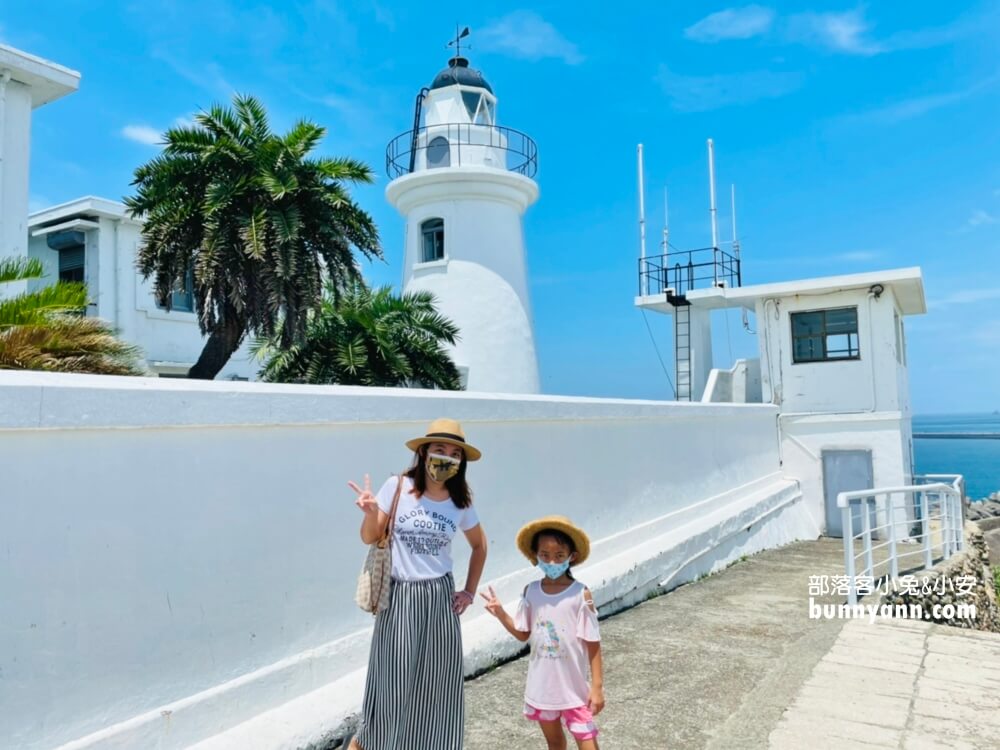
(375, 580)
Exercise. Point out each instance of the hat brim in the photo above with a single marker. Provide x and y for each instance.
(471, 453)
(527, 533)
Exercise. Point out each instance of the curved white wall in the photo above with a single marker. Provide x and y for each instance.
(482, 282)
(180, 557)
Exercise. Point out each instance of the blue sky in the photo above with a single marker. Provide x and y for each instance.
(859, 137)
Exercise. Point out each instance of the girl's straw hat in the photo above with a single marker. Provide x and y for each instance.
(559, 523)
(446, 431)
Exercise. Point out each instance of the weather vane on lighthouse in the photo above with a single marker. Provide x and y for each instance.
(457, 41)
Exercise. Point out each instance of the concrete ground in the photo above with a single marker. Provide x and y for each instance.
(899, 684)
(734, 662)
(709, 665)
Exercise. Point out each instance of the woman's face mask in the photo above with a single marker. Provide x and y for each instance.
(442, 468)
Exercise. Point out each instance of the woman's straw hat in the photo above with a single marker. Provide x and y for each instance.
(446, 431)
(559, 523)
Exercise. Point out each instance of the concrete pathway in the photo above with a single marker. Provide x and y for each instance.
(734, 662)
(899, 684)
(709, 665)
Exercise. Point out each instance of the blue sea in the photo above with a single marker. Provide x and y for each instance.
(978, 460)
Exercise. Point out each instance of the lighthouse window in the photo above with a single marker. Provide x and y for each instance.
(484, 116)
(438, 153)
(825, 335)
(432, 231)
(471, 101)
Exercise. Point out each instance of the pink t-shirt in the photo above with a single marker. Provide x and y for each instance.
(559, 664)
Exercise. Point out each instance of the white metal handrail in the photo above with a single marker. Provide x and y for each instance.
(902, 508)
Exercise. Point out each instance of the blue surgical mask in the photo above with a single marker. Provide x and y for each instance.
(553, 570)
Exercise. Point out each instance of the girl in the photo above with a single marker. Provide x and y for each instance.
(414, 692)
(557, 614)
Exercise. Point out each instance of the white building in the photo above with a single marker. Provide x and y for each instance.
(463, 183)
(94, 240)
(26, 83)
(832, 359)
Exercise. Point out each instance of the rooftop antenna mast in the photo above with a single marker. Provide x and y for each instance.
(666, 222)
(642, 225)
(457, 41)
(711, 210)
(736, 242)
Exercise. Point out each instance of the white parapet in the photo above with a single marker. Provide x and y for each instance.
(180, 557)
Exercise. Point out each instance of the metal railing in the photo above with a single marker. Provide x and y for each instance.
(466, 144)
(927, 515)
(685, 270)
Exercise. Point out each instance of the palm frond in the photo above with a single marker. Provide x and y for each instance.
(20, 269)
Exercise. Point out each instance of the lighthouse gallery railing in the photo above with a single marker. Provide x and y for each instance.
(517, 149)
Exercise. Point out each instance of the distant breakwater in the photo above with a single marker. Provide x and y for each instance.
(958, 435)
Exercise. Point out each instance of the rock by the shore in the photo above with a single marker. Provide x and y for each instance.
(988, 507)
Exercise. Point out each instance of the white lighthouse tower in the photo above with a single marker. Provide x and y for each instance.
(463, 183)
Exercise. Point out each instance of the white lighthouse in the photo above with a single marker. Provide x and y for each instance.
(463, 183)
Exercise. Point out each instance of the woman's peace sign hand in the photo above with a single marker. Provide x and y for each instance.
(366, 500)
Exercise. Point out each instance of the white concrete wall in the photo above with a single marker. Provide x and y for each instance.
(181, 556)
(804, 438)
(481, 284)
(120, 296)
(701, 350)
(15, 147)
(870, 383)
(738, 385)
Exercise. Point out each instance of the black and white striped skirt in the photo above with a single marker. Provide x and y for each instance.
(414, 697)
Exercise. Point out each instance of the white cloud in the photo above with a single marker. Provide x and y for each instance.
(525, 34)
(208, 77)
(850, 32)
(704, 93)
(906, 109)
(980, 218)
(966, 297)
(845, 32)
(143, 134)
(732, 23)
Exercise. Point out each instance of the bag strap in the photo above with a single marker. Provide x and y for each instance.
(391, 521)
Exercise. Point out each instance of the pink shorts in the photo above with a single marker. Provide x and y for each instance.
(579, 721)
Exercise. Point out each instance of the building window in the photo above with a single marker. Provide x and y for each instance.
(182, 298)
(72, 255)
(438, 153)
(432, 232)
(71, 264)
(825, 335)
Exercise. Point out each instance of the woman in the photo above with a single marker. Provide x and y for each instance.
(414, 694)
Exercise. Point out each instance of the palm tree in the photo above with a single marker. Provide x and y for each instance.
(44, 330)
(261, 223)
(365, 337)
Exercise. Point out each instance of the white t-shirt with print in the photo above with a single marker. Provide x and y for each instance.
(421, 539)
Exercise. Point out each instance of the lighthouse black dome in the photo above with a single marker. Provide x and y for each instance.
(459, 72)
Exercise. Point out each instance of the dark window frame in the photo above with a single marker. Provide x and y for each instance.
(823, 335)
(182, 298)
(432, 228)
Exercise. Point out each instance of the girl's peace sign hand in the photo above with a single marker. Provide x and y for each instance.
(366, 500)
(493, 605)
